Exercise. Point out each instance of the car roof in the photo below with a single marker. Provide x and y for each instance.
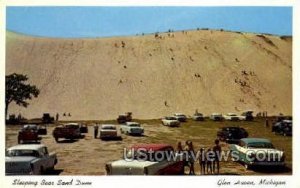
(287, 121)
(72, 124)
(132, 122)
(231, 113)
(27, 146)
(255, 140)
(178, 114)
(216, 114)
(107, 125)
(154, 147)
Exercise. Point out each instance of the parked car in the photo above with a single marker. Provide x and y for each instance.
(83, 128)
(216, 117)
(232, 134)
(284, 127)
(68, 131)
(29, 133)
(29, 159)
(42, 130)
(170, 121)
(198, 117)
(247, 116)
(108, 131)
(123, 118)
(132, 128)
(257, 152)
(140, 160)
(47, 118)
(231, 117)
(180, 117)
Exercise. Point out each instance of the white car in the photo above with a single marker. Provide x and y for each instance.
(29, 159)
(180, 117)
(108, 131)
(257, 152)
(232, 117)
(216, 117)
(132, 128)
(148, 159)
(170, 121)
(198, 117)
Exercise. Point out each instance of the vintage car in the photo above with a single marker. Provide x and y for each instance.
(216, 117)
(83, 128)
(29, 159)
(132, 128)
(198, 117)
(231, 117)
(170, 121)
(247, 116)
(68, 131)
(47, 118)
(147, 159)
(232, 134)
(29, 133)
(108, 131)
(284, 127)
(41, 130)
(180, 117)
(123, 118)
(257, 152)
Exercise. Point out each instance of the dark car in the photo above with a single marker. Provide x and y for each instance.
(283, 127)
(83, 129)
(248, 115)
(42, 130)
(123, 118)
(69, 131)
(232, 134)
(28, 135)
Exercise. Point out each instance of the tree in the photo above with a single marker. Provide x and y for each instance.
(18, 91)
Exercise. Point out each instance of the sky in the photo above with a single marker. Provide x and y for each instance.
(76, 22)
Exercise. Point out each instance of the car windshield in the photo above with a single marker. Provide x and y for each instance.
(134, 125)
(260, 145)
(22, 153)
(109, 128)
(170, 118)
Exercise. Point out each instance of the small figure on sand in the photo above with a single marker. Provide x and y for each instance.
(57, 117)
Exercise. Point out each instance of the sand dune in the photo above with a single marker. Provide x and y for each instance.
(102, 77)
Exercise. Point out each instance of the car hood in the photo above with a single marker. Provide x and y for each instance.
(107, 130)
(171, 120)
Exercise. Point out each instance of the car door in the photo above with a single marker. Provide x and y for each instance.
(45, 161)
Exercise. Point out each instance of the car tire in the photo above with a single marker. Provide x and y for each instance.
(41, 172)
(247, 167)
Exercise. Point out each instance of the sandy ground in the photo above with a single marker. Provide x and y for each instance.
(88, 156)
(187, 70)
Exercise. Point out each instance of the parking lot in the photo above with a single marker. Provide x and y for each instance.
(87, 156)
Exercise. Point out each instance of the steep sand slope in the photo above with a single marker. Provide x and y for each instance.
(100, 78)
